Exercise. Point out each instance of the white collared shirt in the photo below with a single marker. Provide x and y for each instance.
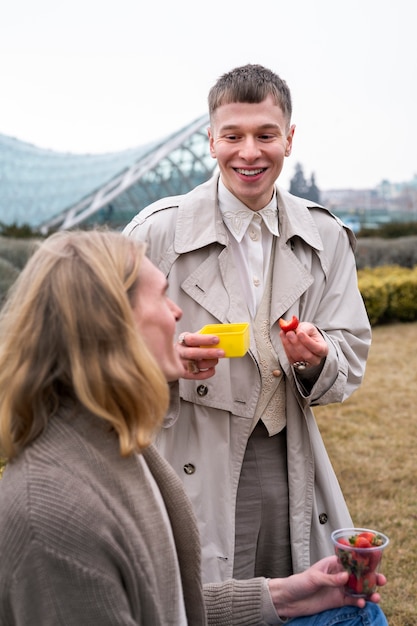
(252, 236)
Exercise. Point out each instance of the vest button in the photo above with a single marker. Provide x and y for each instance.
(276, 373)
(202, 390)
(189, 468)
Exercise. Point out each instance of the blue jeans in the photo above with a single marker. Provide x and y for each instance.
(370, 615)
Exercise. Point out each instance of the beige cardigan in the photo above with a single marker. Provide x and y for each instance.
(83, 541)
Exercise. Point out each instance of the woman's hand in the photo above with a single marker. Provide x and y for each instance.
(319, 588)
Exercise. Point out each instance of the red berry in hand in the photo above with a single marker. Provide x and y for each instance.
(290, 325)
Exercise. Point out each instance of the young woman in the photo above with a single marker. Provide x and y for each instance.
(86, 537)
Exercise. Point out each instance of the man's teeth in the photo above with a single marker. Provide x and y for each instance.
(249, 172)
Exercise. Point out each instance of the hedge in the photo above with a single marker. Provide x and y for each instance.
(387, 274)
(389, 293)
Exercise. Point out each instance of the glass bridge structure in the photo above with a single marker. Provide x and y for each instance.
(48, 190)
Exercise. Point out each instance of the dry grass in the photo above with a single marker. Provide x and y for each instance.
(372, 441)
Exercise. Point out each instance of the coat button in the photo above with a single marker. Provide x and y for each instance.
(276, 373)
(202, 390)
(189, 468)
(323, 518)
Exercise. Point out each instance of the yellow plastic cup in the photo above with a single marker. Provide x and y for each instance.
(233, 338)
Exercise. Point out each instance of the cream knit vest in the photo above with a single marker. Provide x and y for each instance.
(271, 403)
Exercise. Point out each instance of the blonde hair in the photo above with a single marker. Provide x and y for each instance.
(67, 334)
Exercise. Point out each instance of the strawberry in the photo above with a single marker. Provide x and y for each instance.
(362, 542)
(374, 559)
(355, 584)
(369, 583)
(290, 325)
(343, 541)
(377, 540)
(373, 538)
(368, 535)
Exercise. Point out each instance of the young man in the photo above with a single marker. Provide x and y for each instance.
(240, 432)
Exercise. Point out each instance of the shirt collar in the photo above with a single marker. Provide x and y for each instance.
(237, 216)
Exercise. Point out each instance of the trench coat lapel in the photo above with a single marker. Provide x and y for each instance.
(215, 285)
(290, 277)
(290, 280)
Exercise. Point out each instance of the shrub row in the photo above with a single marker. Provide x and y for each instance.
(14, 253)
(389, 293)
(391, 230)
(377, 252)
(16, 250)
(387, 274)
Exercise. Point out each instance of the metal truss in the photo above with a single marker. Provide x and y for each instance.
(170, 167)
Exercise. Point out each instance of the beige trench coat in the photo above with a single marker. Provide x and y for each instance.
(209, 422)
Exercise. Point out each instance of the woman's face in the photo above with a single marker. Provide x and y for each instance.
(156, 317)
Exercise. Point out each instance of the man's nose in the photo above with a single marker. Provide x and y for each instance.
(249, 149)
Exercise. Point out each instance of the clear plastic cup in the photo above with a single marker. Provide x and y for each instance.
(361, 560)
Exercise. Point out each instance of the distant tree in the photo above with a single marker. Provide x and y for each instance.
(23, 231)
(298, 183)
(313, 191)
(299, 186)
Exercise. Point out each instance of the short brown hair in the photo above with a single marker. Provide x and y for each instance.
(250, 83)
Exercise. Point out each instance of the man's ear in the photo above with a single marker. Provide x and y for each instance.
(290, 136)
(211, 142)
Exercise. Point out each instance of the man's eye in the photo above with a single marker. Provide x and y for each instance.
(231, 137)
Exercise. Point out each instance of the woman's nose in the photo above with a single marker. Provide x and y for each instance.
(176, 310)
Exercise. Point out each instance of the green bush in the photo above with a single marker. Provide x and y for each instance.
(391, 230)
(389, 293)
(403, 295)
(375, 295)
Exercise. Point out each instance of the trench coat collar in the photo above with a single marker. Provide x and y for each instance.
(295, 219)
(196, 227)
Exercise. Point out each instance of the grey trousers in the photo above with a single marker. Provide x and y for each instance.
(262, 536)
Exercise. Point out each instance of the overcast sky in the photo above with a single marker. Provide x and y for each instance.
(90, 77)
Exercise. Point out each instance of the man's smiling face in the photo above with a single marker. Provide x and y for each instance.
(250, 142)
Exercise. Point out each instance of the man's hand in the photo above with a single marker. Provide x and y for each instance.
(198, 355)
(304, 344)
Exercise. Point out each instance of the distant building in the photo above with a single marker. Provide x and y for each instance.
(50, 190)
(369, 208)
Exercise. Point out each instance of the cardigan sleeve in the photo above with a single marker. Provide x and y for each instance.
(240, 603)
